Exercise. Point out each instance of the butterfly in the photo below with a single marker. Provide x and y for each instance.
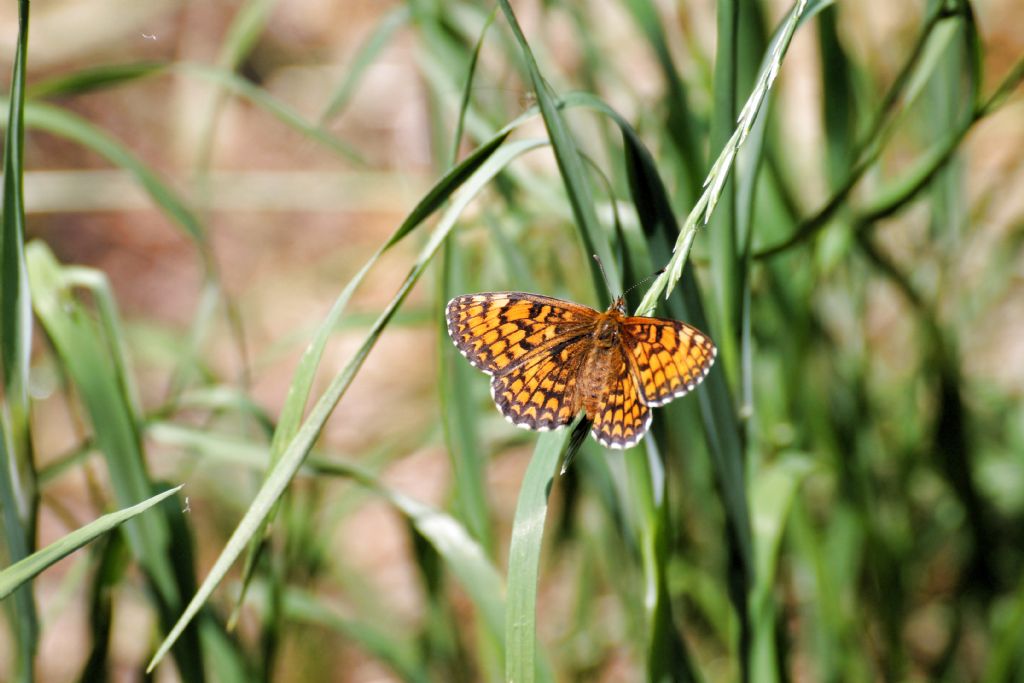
(549, 359)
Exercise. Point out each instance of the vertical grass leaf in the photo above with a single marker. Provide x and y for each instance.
(18, 487)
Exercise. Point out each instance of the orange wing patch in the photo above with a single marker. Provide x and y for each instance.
(670, 357)
(622, 419)
(498, 331)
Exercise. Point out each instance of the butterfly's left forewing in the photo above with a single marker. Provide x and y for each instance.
(499, 331)
(670, 358)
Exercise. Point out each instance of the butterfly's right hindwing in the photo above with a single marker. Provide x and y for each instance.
(499, 331)
(622, 418)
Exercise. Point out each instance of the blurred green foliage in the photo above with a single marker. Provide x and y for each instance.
(841, 500)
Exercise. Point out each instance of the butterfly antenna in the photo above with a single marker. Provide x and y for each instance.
(607, 284)
(644, 281)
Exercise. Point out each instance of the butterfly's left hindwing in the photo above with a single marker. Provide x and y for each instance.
(541, 393)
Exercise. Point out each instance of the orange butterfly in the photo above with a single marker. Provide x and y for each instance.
(549, 359)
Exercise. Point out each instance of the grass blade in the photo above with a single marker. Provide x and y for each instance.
(23, 570)
(18, 486)
(570, 163)
(723, 165)
(67, 125)
(239, 86)
(89, 352)
(284, 470)
(524, 558)
(464, 555)
(93, 78)
(365, 55)
(771, 496)
(305, 374)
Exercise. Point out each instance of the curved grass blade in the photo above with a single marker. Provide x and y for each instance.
(715, 181)
(468, 89)
(23, 570)
(305, 373)
(93, 78)
(235, 84)
(67, 125)
(282, 472)
(246, 27)
(467, 559)
(88, 350)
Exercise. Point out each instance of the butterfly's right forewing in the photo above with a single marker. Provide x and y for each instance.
(670, 357)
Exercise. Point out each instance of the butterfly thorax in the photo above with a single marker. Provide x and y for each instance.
(603, 361)
(607, 329)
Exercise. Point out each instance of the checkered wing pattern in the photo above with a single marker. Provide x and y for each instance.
(499, 331)
(670, 357)
(622, 419)
(541, 392)
(549, 359)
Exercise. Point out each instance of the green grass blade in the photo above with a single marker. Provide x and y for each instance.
(67, 125)
(524, 558)
(719, 173)
(305, 374)
(772, 492)
(87, 350)
(284, 470)
(459, 414)
(22, 610)
(18, 486)
(682, 127)
(365, 55)
(465, 556)
(114, 560)
(722, 237)
(667, 656)
(570, 163)
(239, 86)
(474, 60)
(246, 28)
(93, 79)
(23, 570)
